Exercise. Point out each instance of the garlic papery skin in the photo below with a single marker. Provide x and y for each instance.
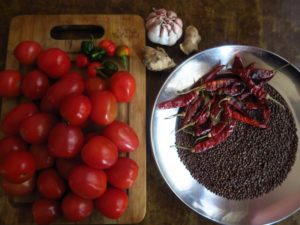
(164, 27)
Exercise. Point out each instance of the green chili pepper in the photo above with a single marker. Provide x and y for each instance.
(109, 68)
(97, 54)
(87, 47)
(123, 51)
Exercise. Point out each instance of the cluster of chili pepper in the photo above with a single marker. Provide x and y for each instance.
(218, 99)
(96, 57)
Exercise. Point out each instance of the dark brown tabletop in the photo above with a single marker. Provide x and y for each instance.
(272, 25)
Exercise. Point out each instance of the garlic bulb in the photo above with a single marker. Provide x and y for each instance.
(164, 27)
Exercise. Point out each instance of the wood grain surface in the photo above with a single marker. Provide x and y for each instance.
(123, 29)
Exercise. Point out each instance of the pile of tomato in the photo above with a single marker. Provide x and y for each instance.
(62, 142)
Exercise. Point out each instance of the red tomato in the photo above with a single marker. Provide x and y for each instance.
(104, 107)
(35, 85)
(54, 62)
(92, 69)
(42, 158)
(65, 141)
(122, 135)
(10, 144)
(75, 109)
(113, 203)
(87, 182)
(73, 75)
(10, 83)
(82, 60)
(20, 189)
(12, 120)
(45, 211)
(99, 152)
(76, 208)
(27, 52)
(18, 166)
(123, 173)
(50, 184)
(64, 166)
(35, 129)
(122, 84)
(59, 90)
(94, 84)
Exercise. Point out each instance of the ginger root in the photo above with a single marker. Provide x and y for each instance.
(157, 59)
(191, 40)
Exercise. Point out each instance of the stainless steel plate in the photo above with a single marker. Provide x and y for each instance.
(269, 208)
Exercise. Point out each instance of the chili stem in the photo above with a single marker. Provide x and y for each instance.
(201, 138)
(275, 101)
(282, 67)
(175, 115)
(181, 147)
(184, 127)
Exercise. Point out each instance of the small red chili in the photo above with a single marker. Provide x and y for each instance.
(109, 46)
(93, 69)
(123, 51)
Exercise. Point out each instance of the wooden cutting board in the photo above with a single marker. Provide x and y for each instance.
(123, 29)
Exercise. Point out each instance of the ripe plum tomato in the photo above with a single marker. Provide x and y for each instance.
(21, 189)
(87, 182)
(54, 62)
(42, 158)
(12, 120)
(59, 90)
(122, 135)
(65, 141)
(10, 83)
(45, 211)
(35, 85)
(75, 109)
(94, 84)
(64, 166)
(99, 152)
(113, 203)
(50, 184)
(73, 75)
(35, 129)
(10, 144)
(26, 52)
(123, 173)
(104, 107)
(122, 84)
(76, 208)
(18, 166)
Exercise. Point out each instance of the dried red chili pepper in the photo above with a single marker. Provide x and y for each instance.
(235, 90)
(251, 105)
(203, 115)
(192, 109)
(213, 141)
(209, 76)
(237, 62)
(203, 129)
(179, 101)
(245, 119)
(256, 90)
(260, 74)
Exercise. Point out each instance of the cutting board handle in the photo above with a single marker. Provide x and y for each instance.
(76, 32)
